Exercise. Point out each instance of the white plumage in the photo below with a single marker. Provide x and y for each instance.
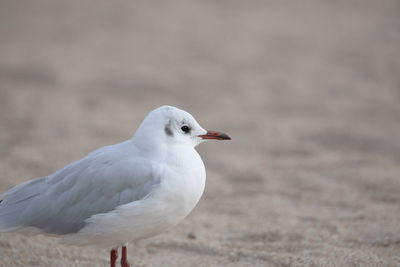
(118, 193)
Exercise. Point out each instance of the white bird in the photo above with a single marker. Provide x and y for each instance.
(119, 193)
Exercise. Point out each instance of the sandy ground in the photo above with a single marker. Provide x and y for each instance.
(310, 93)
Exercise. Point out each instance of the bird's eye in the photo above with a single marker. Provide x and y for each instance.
(185, 129)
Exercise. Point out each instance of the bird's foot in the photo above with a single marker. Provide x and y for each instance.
(113, 257)
(124, 257)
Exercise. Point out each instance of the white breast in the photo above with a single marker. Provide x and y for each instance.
(182, 184)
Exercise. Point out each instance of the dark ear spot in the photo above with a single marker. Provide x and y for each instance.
(168, 130)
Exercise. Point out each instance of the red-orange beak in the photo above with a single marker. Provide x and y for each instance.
(215, 135)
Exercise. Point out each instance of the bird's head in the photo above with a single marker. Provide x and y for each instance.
(175, 126)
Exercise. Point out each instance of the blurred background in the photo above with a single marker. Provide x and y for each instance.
(308, 90)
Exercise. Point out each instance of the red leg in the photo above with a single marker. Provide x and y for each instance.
(124, 258)
(113, 257)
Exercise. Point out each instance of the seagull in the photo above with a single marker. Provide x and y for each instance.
(120, 193)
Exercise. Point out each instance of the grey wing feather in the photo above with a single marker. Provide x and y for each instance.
(61, 202)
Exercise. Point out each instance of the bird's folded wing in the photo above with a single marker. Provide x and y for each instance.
(61, 202)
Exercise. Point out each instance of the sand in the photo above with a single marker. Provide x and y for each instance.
(308, 90)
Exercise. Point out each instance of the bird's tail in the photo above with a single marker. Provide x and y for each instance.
(14, 203)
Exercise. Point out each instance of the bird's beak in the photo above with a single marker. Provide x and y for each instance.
(215, 135)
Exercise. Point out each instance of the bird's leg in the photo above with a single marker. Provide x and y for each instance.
(113, 257)
(124, 258)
